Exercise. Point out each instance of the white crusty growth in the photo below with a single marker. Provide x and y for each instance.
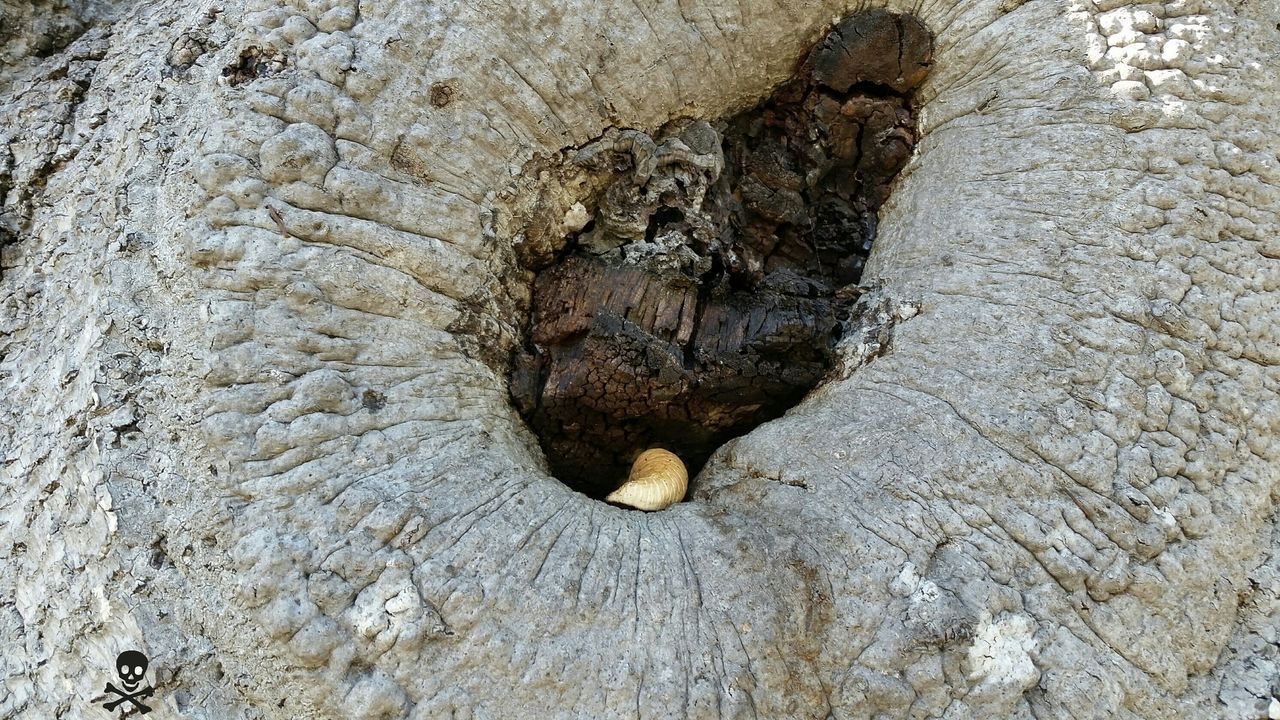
(657, 480)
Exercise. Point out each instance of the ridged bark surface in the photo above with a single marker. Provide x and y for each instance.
(259, 279)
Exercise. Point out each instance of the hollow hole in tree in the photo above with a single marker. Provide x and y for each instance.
(716, 263)
(663, 217)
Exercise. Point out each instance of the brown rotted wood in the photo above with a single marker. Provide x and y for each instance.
(737, 317)
(629, 359)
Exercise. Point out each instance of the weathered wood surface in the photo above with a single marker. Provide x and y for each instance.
(1040, 480)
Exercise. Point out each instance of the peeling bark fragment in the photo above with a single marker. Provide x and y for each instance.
(187, 49)
(701, 297)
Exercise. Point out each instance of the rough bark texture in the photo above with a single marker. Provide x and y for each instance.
(260, 274)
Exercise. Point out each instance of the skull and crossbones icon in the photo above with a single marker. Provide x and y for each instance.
(132, 667)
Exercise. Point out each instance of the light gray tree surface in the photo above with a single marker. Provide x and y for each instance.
(1041, 484)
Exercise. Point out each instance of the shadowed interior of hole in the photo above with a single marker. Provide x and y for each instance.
(720, 264)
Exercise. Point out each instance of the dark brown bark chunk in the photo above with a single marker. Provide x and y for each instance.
(876, 47)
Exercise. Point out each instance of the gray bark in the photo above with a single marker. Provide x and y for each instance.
(1042, 482)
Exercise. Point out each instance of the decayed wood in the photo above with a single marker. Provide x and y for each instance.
(703, 298)
(632, 359)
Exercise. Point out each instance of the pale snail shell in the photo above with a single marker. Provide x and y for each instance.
(657, 480)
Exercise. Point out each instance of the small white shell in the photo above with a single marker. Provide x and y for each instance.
(657, 480)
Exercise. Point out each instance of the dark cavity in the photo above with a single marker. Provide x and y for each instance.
(721, 262)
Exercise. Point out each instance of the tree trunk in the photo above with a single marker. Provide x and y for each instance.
(262, 281)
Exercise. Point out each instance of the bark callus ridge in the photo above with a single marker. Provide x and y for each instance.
(704, 297)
